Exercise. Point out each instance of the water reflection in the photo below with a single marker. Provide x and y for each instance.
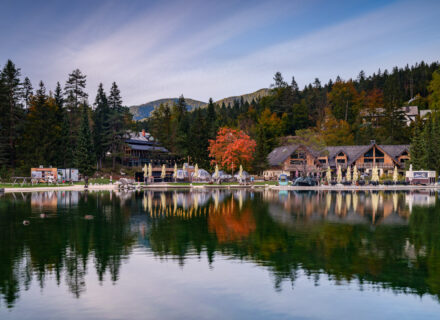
(386, 239)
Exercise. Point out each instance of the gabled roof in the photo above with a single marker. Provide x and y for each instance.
(280, 154)
(394, 151)
(352, 152)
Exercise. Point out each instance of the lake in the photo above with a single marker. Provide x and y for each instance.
(220, 254)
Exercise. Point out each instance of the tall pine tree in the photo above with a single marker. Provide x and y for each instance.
(84, 152)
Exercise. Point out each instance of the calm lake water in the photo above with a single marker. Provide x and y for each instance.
(220, 254)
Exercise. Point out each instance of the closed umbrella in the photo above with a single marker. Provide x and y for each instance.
(375, 175)
(175, 171)
(355, 174)
(196, 171)
(339, 175)
(163, 173)
(215, 175)
(150, 170)
(395, 175)
(240, 173)
(329, 175)
(145, 170)
(348, 175)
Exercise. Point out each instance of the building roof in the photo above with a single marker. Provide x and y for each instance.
(143, 141)
(281, 154)
(146, 148)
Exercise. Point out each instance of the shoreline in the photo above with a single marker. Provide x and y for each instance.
(109, 187)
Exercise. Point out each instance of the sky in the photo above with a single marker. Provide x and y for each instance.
(203, 49)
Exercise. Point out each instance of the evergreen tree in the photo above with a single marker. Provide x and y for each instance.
(417, 148)
(84, 152)
(40, 143)
(74, 89)
(58, 96)
(11, 108)
(211, 120)
(278, 81)
(117, 123)
(435, 142)
(101, 132)
(27, 91)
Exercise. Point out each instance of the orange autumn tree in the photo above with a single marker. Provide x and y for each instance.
(231, 148)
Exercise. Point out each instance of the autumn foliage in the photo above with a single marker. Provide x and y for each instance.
(231, 148)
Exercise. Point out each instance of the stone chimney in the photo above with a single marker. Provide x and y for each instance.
(143, 132)
(372, 141)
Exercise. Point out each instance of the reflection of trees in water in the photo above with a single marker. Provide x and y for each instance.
(61, 246)
(342, 236)
(317, 234)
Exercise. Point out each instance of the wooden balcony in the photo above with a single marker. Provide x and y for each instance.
(379, 165)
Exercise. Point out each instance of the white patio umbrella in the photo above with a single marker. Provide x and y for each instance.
(355, 174)
(196, 171)
(150, 170)
(163, 173)
(348, 175)
(145, 170)
(215, 175)
(375, 175)
(395, 175)
(339, 175)
(240, 172)
(175, 171)
(329, 175)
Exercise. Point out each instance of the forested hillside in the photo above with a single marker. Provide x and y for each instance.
(330, 113)
(60, 127)
(144, 110)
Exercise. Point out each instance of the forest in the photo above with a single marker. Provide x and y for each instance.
(336, 113)
(60, 127)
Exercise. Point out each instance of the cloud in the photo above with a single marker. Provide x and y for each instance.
(164, 50)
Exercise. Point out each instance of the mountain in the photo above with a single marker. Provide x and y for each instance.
(143, 110)
(246, 97)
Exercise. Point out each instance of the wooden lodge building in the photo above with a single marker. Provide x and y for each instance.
(295, 160)
(141, 148)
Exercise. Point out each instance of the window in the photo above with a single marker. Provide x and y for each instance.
(379, 154)
(298, 155)
(368, 160)
(340, 161)
(341, 154)
(323, 161)
(369, 153)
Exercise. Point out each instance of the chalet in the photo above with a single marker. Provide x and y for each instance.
(295, 160)
(142, 148)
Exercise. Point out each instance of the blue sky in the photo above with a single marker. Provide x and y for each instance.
(202, 49)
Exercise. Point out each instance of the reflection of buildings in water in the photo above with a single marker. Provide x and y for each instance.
(347, 207)
(67, 199)
(44, 201)
(420, 198)
(51, 200)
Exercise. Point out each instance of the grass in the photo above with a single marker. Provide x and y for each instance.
(43, 185)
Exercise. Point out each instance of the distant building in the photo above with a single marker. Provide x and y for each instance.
(410, 114)
(294, 160)
(141, 148)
